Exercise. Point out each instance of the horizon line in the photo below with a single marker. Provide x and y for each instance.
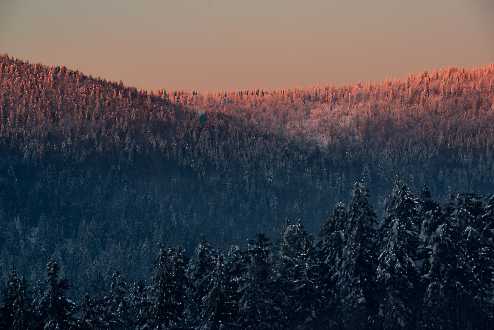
(266, 90)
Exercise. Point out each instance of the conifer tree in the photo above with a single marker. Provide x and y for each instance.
(259, 308)
(117, 304)
(403, 207)
(445, 292)
(235, 270)
(16, 310)
(397, 271)
(91, 314)
(398, 278)
(477, 263)
(298, 277)
(199, 274)
(329, 255)
(431, 216)
(56, 311)
(357, 289)
(168, 290)
(218, 305)
(140, 304)
(331, 237)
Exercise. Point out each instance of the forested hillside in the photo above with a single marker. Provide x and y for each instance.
(422, 266)
(94, 174)
(445, 109)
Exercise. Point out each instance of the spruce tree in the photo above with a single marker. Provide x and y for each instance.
(235, 270)
(397, 273)
(117, 305)
(298, 277)
(446, 298)
(56, 311)
(199, 274)
(357, 289)
(218, 305)
(431, 216)
(259, 308)
(91, 314)
(168, 290)
(398, 278)
(140, 304)
(485, 269)
(404, 207)
(329, 257)
(17, 309)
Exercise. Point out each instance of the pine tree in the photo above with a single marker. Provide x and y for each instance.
(298, 277)
(404, 207)
(259, 308)
(472, 264)
(199, 274)
(218, 305)
(332, 238)
(117, 305)
(485, 265)
(168, 290)
(16, 309)
(92, 314)
(446, 298)
(235, 268)
(55, 309)
(329, 255)
(140, 304)
(431, 216)
(357, 289)
(398, 277)
(397, 273)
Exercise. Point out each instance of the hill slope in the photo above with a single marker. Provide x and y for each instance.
(96, 173)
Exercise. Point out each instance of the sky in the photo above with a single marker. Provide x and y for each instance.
(210, 45)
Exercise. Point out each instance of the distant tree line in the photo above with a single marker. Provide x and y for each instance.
(422, 266)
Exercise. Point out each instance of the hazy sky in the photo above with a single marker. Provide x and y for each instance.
(233, 44)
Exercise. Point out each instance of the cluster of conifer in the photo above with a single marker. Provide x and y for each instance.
(423, 266)
(93, 173)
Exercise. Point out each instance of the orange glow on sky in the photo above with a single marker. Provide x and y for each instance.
(235, 44)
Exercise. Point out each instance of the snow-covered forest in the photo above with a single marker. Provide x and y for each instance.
(423, 266)
(97, 178)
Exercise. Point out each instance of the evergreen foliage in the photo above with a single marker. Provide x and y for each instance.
(95, 173)
(362, 273)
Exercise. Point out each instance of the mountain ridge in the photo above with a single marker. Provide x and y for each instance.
(94, 173)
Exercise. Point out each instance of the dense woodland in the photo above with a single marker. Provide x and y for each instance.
(94, 174)
(423, 266)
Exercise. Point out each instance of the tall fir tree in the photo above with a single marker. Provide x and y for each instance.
(199, 273)
(357, 289)
(140, 304)
(168, 287)
(445, 297)
(55, 309)
(298, 278)
(397, 273)
(431, 216)
(219, 306)
(259, 308)
(117, 306)
(16, 310)
(404, 207)
(91, 314)
(235, 270)
(329, 256)
(485, 269)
